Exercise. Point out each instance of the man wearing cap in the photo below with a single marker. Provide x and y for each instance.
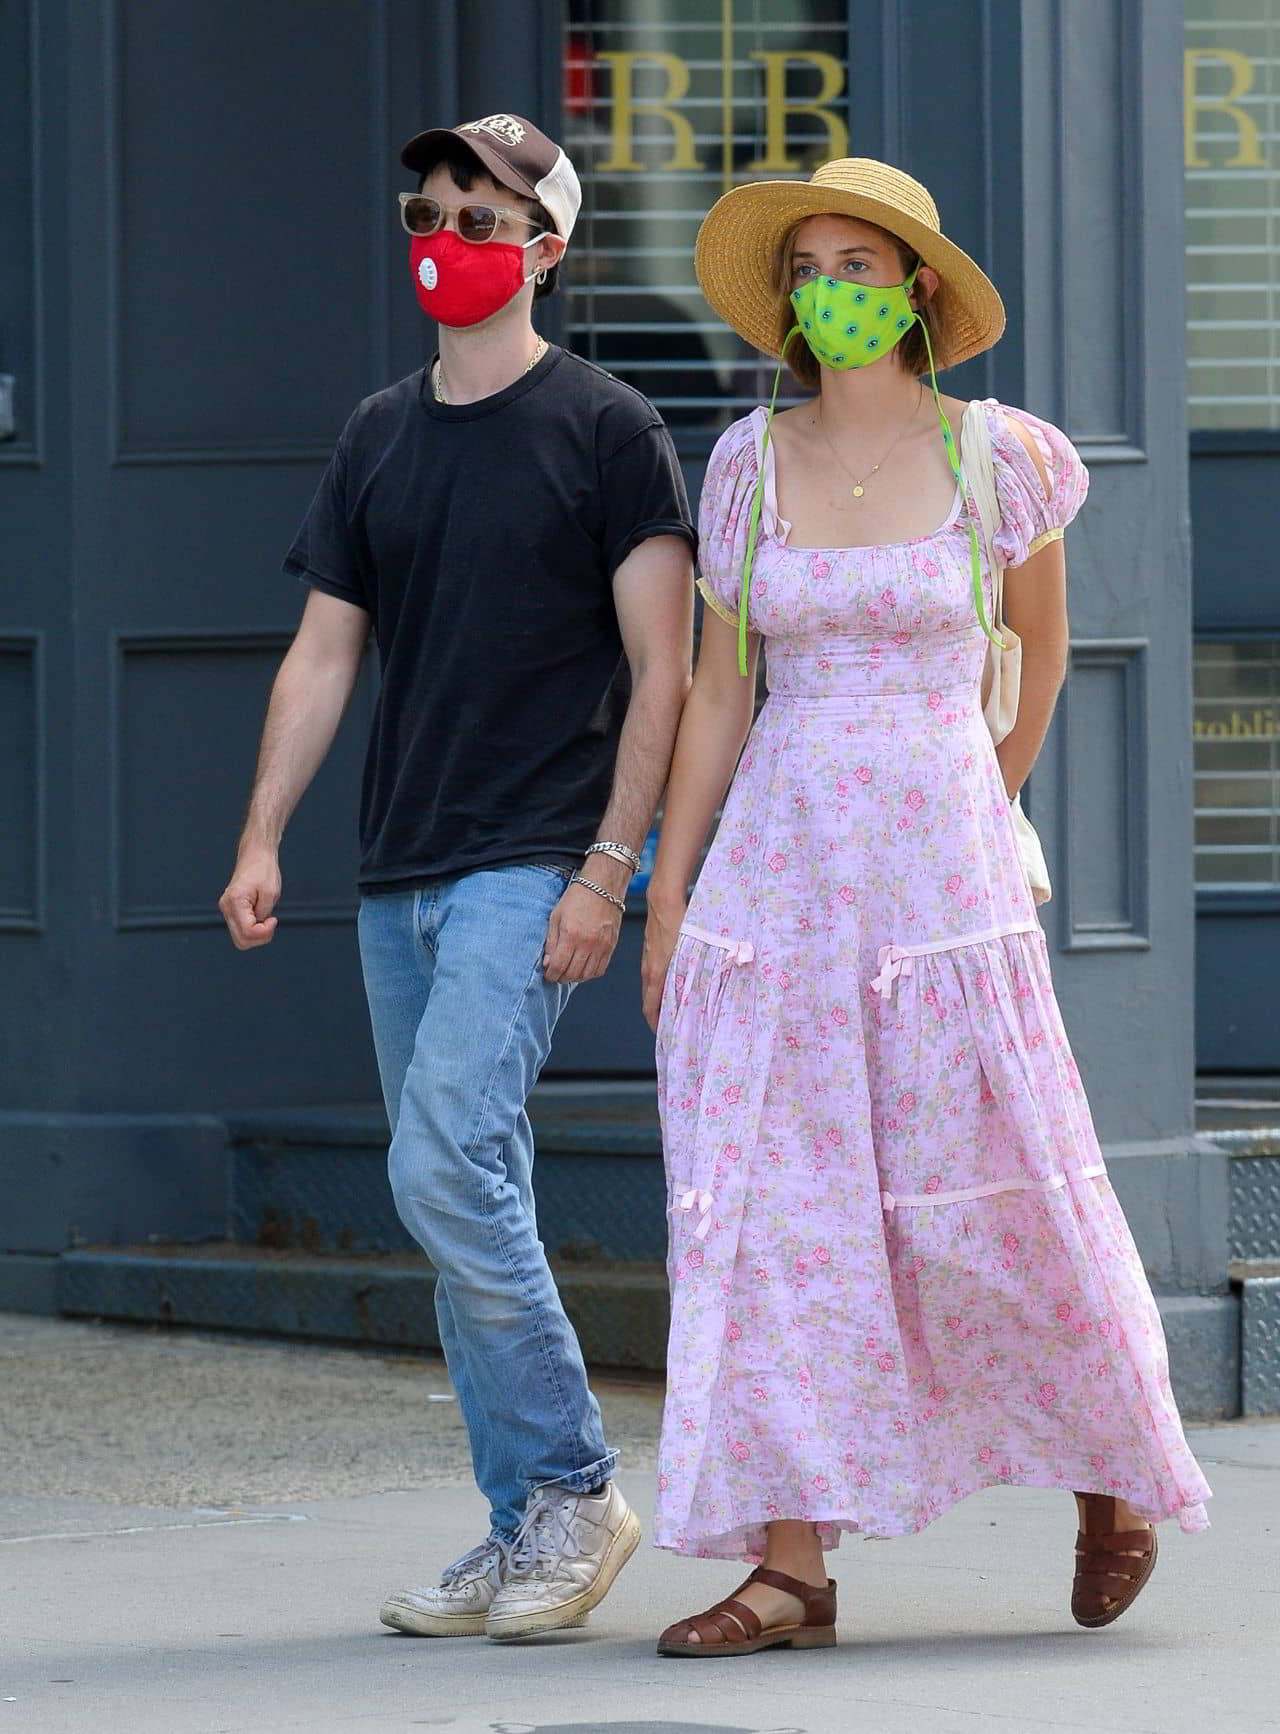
(512, 524)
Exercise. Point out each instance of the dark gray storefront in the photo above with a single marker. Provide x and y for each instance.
(200, 273)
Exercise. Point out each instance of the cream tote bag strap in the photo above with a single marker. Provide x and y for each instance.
(1002, 674)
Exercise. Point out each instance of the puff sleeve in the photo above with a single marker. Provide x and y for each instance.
(724, 514)
(1028, 518)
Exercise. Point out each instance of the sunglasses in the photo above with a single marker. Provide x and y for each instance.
(420, 215)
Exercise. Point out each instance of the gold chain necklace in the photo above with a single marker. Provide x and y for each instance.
(437, 372)
(859, 482)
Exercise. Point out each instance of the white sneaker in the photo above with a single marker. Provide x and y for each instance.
(457, 1605)
(565, 1556)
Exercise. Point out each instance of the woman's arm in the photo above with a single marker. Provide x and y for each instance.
(713, 730)
(1035, 606)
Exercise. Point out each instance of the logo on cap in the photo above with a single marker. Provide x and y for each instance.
(504, 127)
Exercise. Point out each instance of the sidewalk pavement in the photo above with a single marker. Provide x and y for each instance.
(182, 1611)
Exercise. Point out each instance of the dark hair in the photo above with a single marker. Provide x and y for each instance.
(912, 352)
(465, 168)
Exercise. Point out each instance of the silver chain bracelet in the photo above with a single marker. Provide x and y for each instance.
(619, 852)
(599, 891)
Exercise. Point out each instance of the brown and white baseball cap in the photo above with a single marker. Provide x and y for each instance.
(517, 155)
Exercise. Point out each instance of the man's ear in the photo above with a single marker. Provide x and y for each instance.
(548, 252)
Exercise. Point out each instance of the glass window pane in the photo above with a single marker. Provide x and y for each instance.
(668, 104)
(1237, 830)
(1232, 166)
(1235, 789)
(1226, 872)
(1236, 730)
(1231, 756)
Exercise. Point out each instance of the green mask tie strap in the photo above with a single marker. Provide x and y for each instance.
(953, 458)
(753, 525)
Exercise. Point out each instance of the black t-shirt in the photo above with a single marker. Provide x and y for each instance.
(482, 539)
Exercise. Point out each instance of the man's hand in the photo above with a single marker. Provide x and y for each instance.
(581, 936)
(248, 901)
(308, 698)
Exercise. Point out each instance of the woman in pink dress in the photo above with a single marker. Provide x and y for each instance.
(898, 1270)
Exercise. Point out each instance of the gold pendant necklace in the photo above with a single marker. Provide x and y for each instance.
(859, 488)
(437, 371)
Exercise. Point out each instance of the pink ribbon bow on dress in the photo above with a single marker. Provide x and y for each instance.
(893, 963)
(696, 1198)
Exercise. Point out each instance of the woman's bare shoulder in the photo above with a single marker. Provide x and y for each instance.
(955, 408)
(793, 426)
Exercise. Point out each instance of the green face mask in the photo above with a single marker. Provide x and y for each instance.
(853, 324)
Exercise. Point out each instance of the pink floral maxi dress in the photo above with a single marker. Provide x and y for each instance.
(898, 1270)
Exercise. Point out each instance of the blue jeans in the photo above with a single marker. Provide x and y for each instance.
(462, 1023)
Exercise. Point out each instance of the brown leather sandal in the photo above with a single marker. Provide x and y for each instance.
(731, 1628)
(1112, 1567)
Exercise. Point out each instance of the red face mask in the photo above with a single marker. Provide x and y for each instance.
(459, 283)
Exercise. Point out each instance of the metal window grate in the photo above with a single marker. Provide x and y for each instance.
(656, 139)
(1237, 765)
(1232, 140)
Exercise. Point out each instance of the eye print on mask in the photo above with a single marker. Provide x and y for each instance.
(853, 324)
(461, 284)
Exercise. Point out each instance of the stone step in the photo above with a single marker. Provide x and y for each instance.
(1254, 1221)
(619, 1312)
(1258, 1283)
(1242, 1117)
(315, 1180)
(1253, 1144)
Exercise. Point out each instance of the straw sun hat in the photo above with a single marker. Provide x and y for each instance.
(740, 240)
